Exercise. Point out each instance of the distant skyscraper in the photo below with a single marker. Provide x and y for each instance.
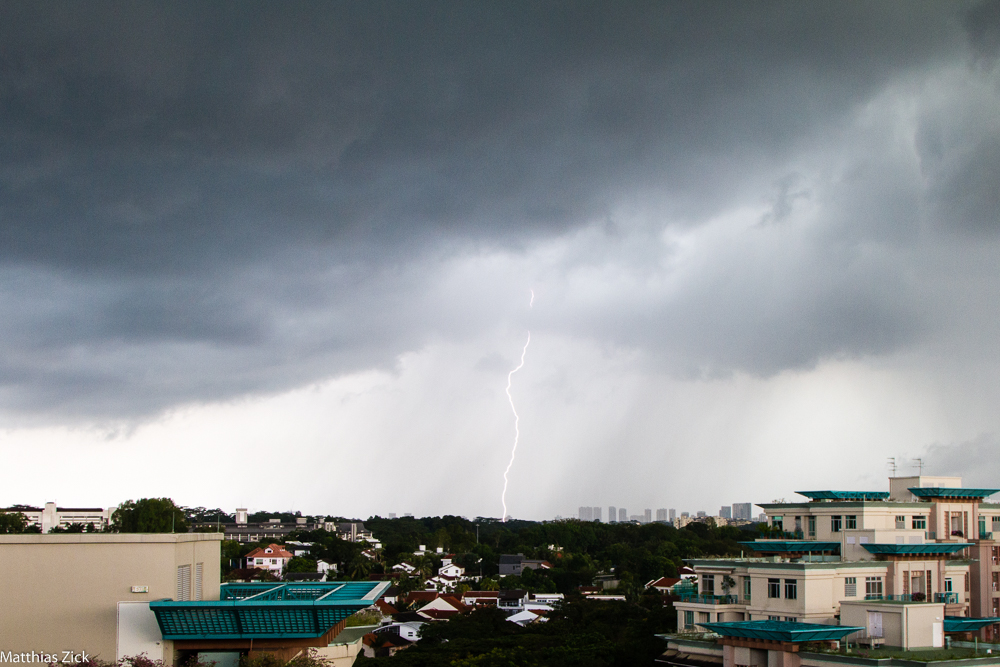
(726, 512)
(743, 511)
(622, 514)
(586, 514)
(647, 516)
(701, 513)
(661, 515)
(672, 514)
(392, 515)
(612, 514)
(597, 514)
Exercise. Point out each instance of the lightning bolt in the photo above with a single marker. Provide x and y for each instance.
(517, 431)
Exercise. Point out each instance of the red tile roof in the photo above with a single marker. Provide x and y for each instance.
(277, 551)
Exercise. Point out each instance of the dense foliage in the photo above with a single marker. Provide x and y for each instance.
(581, 633)
(149, 515)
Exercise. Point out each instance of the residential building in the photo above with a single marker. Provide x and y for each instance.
(647, 516)
(272, 558)
(726, 512)
(622, 515)
(597, 514)
(661, 515)
(586, 514)
(925, 542)
(91, 591)
(671, 514)
(743, 511)
(612, 514)
(685, 515)
(516, 563)
(50, 516)
(701, 513)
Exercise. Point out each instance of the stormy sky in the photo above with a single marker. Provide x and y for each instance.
(280, 255)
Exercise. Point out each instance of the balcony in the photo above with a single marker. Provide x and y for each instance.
(711, 599)
(983, 535)
(947, 598)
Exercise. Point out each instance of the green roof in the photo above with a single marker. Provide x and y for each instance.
(792, 546)
(931, 548)
(963, 624)
(781, 631)
(845, 495)
(950, 492)
(266, 610)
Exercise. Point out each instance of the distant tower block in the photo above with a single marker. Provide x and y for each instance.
(622, 515)
(647, 516)
(661, 515)
(241, 515)
(671, 514)
(726, 512)
(597, 514)
(612, 514)
(586, 514)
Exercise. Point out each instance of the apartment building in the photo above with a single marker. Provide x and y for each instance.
(926, 541)
(51, 516)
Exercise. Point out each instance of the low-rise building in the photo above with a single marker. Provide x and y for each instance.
(51, 516)
(273, 558)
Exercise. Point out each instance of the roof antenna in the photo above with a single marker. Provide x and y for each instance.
(892, 465)
(920, 466)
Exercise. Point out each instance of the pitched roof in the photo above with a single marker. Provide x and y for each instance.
(386, 608)
(663, 582)
(277, 551)
(511, 559)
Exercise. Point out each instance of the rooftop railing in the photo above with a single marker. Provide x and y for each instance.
(947, 598)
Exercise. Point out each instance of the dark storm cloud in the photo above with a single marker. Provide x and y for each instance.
(202, 200)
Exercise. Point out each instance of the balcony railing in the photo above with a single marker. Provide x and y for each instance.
(983, 535)
(947, 598)
(711, 599)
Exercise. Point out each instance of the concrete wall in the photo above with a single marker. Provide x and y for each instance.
(907, 626)
(61, 591)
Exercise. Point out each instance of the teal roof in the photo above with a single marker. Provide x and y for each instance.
(266, 610)
(931, 548)
(781, 631)
(951, 492)
(963, 624)
(792, 546)
(845, 495)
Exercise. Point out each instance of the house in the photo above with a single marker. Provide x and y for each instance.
(384, 644)
(325, 568)
(272, 558)
(587, 591)
(391, 595)
(385, 608)
(443, 582)
(480, 598)
(370, 554)
(420, 597)
(527, 616)
(451, 570)
(442, 608)
(406, 629)
(404, 567)
(512, 601)
(514, 564)
(664, 584)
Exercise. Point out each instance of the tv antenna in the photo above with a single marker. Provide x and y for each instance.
(892, 465)
(919, 463)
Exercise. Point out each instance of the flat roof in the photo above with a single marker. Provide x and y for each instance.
(950, 492)
(845, 495)
(107, 538)
(781, 631)
(903, 549)
(792, 546)
(276, 610)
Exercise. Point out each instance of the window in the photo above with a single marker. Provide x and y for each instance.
(901, 522)
(197, 580)
(708, 584)
(852, 522)
(791, 589)
(947, 585)
(774, 588)
(777, 522)
(996, 581)
(704, 617)
(996, 523)
(688, 619)
(835, 524)
(851, 587)
(774, 618)
(798, 525)
(966, 582)
(873, 588)
(746, 588)
(791, 619)
(811, 522)
(183, 583)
